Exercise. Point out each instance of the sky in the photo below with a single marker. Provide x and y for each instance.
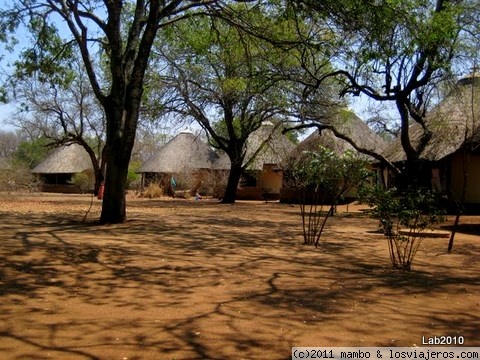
(6, 110)
(5, 113)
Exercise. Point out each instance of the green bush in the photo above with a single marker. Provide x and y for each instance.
(84, 181)
(323, 176)
(404, 216)
(133, 178)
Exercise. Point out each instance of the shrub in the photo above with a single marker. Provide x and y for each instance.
(84, 181)
(323, 177)
(404, 217)
(18, 177)
(133, 178)
(153, 190)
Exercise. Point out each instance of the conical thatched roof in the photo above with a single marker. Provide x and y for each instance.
(273, 152)
(222, 162)
(348, 124)
(67, 159)
(455, 120)
(184, 152)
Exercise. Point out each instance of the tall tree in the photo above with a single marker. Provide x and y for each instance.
(225, 79)
(125, 32)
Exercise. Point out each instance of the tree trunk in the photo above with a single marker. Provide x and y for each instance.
(98, 172)
(232, 183)
(461, 202)
(102, 170)
(114, 199)
(121, 131)
(410, 177)
(98, 182)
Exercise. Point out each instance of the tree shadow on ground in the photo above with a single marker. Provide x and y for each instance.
(203, 287)
(471, 229)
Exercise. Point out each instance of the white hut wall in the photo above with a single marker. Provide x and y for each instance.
(192, 180)
(270, 180)
(199, 181)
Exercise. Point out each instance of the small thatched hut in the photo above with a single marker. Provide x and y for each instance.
(347, 124)
(350, 125)
(185, 157)
(266, 149)
(57, 170)
(455, 144)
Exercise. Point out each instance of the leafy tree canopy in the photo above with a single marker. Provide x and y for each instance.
(227, 80)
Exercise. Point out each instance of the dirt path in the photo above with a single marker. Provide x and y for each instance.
(200, 280)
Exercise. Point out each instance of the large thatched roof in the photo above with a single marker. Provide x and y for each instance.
(274, 150)
(267, 144)
(348, 124)
(67, 159)
(453, 121)
(184, 152)
(222, 162)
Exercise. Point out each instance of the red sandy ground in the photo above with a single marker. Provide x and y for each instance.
(200, 280)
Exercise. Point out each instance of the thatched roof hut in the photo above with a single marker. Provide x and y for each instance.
(58, 169)
(349, 124)
(184, 152)
(68, 159)
(455, 126)
(274, 150)
(454, 121)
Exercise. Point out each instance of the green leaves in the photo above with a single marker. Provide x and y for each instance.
(326, 170)
(31, 153)
(45, 53)
(404, 216)
(323, 177)
(417, 208)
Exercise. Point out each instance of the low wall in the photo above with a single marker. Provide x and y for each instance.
(294, 195)
(255, 193)
(65, 189)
